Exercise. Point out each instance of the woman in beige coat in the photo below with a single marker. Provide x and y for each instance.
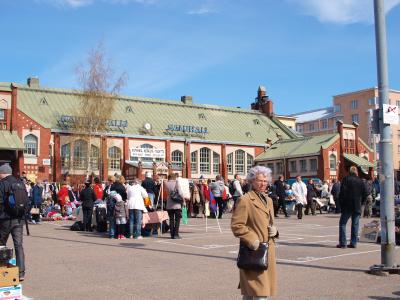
(251, 222)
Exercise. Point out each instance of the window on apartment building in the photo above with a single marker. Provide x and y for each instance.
(324, 124)
(205, 160)
(293, 166)
(114, 158)
(303, 165)
(299, 127)
(332, 162)
(239, 161)
(65, 155)
(313, 164)
(2, 114)
(372, 101)
(271, 166)
(279, 167)
(31, 144)
(230, 163)
(250, 162)
(311, 127)
(216, 163)
(94, 157)
(177, 159)
(354, 104)
(338, 108)
(355, 118)
(193, 162)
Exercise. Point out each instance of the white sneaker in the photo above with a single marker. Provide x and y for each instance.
(139, 238)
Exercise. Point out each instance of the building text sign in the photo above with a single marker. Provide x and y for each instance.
(187, 128)
(390, 114)
(151, 153)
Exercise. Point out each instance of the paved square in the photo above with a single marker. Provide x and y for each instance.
(62, 264)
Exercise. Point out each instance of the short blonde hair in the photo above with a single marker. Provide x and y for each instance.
(353, 170)
(111, 178)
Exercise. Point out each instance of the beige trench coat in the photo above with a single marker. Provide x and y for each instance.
(250, 222)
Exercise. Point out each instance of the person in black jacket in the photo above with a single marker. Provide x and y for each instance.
(351, 197)
(8, 224)
(87, 197)
(150, 186)
(280, 190)
(335, 193)
(118, 187)
(311, 193)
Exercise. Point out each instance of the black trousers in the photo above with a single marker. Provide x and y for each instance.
(299, 208)
(175, 216)
(15, 228)
(310, 205)
(221, 206)
(282, 204)
(87, 218)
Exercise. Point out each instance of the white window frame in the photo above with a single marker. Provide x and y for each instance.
(279, 167)
(79, 161)
(177, 159)
(355, 116)
(303, 165)
(205, 160)
(240, 161)
(291, 164)
(31, 142)
(216, 162)
(114, 158)
(194, 162)
(94, 157)
(312, 168)
(354, 104)
(332, 162)
(229, 160)
(2, 114)
(66, 156)
(249, 162)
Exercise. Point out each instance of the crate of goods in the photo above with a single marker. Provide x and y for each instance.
(11, 292)
(9, 275)
(370, 232)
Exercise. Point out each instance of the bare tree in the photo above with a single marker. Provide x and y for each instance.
(99, 89)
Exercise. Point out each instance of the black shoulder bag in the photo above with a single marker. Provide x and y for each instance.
(254, 260)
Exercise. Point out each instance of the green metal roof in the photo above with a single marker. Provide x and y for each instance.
(357, 160)
(298, 147)
(224, 124)
(10, 141)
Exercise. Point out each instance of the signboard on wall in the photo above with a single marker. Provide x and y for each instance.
(162, 168)
(390, 114)
(46, 162)
(149, 153)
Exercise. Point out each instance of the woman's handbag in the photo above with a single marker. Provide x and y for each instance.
(35, 211)
(255, 260)
(175, 197)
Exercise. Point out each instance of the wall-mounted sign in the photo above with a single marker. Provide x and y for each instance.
(390, 114)
(187, 129)
(151, 153)
(162, 168)
(46, 162)
(74, 121)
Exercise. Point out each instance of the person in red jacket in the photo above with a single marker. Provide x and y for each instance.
(98, 188)
(63, 197)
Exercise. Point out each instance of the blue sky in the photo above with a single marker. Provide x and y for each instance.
(218, 51)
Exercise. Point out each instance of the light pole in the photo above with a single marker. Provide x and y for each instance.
(386, 171)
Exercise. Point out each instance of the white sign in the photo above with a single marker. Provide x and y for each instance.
(151, 153)
(390, 114)
(46, 162)
(162, 168)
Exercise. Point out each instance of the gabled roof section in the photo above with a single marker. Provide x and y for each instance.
(310, 145)
(224, 124)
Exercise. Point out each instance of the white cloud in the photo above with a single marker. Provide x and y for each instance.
(342, 11)
(202, 11)
(82, 3)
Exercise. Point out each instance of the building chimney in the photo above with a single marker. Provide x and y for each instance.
(33, 82)
(267, 108)
(261, 93)
(187, 99)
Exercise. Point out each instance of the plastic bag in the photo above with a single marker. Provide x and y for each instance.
(184, 216)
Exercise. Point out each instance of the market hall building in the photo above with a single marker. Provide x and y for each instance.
(144, 135)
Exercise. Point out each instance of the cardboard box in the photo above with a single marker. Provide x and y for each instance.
(11, 292)
(9, 276)
(369, 234)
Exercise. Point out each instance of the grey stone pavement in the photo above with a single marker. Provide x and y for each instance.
(62, 264)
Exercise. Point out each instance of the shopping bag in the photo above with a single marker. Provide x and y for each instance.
(207, 209)
(184, 216)
(35, 211)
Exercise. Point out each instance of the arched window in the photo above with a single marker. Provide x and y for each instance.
(94, 157)
(176, 159)
(31, 145)
(230, 163)
(332, 162)
(249, 163)
(193, 162)
(239, 161)
(215, 163)
(65, 156)
(114, 158)
(205, 160)
(80, 154)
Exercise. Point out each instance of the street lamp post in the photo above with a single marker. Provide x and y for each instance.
(386, 171)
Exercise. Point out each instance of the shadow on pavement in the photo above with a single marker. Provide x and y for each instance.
(320, 267)
(306, 245)
(386, 298)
